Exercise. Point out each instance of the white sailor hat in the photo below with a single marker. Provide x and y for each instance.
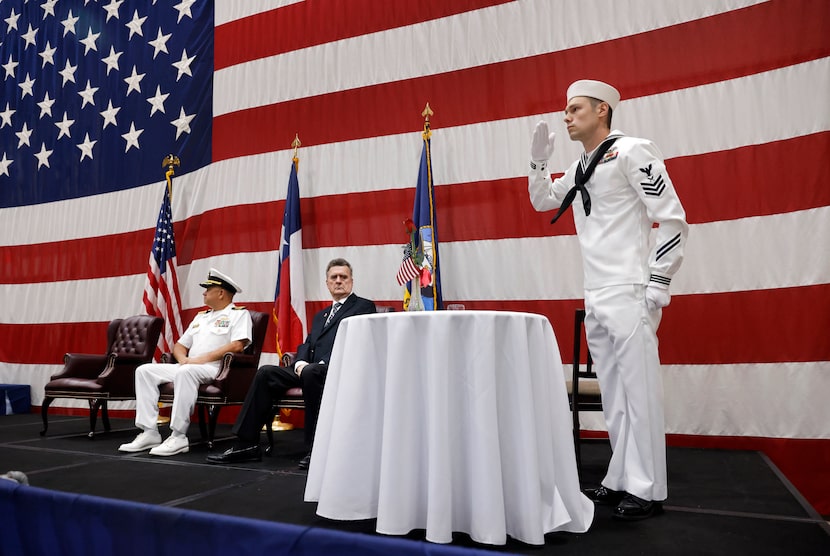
(216, 278)
(594, 89)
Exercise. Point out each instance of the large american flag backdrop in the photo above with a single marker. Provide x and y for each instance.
(735, 92)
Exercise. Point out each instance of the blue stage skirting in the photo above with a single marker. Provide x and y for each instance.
(15, 398)
(39, 521)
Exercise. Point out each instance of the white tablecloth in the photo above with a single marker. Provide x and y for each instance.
(448, 421)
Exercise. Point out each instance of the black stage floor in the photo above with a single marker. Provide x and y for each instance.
(720, 501)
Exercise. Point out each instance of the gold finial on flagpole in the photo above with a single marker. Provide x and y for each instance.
(296, 144)
(170, 161)
(426, 114)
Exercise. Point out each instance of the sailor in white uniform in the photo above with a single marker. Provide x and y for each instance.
(222, 328)
(619, 188)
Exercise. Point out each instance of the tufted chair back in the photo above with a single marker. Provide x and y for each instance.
(134, 343)
(133, 337)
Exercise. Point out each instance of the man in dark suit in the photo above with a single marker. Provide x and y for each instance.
(308, 371)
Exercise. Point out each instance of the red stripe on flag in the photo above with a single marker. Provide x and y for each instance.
(699, 52)
(316, 22)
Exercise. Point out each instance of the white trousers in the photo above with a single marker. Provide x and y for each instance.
(186, 380)
(622, 337)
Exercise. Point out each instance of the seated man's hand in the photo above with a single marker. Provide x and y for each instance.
(299, 366)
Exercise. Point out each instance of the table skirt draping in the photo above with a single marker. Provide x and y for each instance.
(448, 421)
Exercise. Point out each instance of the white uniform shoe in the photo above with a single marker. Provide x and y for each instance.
(144, 441)
(172, 446)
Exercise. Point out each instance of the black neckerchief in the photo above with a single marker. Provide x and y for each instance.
(582, 178)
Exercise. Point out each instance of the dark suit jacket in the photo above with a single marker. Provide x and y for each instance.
(320, 341)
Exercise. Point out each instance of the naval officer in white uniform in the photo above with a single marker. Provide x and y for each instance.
(222, 328)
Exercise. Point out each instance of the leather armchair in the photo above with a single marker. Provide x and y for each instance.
(111, 376)
(231, 383)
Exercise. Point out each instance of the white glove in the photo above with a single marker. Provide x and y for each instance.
(541, 148)
(657, 298)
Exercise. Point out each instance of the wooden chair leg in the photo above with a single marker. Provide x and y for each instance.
(94, 404)
(44, 413)
(269, 433)
(105, 416)
(213, 417)
(202, 421)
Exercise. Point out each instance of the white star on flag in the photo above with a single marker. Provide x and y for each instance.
(109, 114)
(29, 36)
(64, 126)
(48, 55)
(68, 72)
(48, 8)
(46, 105)
(69, 24)
(86, 147)
(26, 86)
(43, 156)
(132, 137)
(112, 8)
(9, 67)
(159, 44)
(112, 60)
(6, 116)
(182, 123)
(4, 165)
(89, 41)
(135, 25)
(88, 95)
(157, 101)
(183, 65)
(11, 21)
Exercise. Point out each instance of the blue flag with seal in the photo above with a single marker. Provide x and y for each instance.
(428, 296)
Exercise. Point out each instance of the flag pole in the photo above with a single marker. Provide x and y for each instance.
(170, 161)
(427, 134)
(278, 425)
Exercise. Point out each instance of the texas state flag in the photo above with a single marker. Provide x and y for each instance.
(289, 302)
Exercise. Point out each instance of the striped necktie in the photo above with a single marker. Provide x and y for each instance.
(334, 309)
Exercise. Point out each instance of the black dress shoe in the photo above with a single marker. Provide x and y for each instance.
(305, 462)
(604, 495)
(633, 508)
(237, 455)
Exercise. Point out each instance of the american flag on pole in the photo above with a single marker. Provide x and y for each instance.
(734, 92)
(161, 292)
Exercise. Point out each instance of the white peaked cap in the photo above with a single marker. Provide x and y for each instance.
(594, 89)
(216, 278)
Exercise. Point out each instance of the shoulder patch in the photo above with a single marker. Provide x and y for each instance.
(204, 312)
(238, 307)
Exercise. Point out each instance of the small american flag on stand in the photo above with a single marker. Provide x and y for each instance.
(408, 270)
